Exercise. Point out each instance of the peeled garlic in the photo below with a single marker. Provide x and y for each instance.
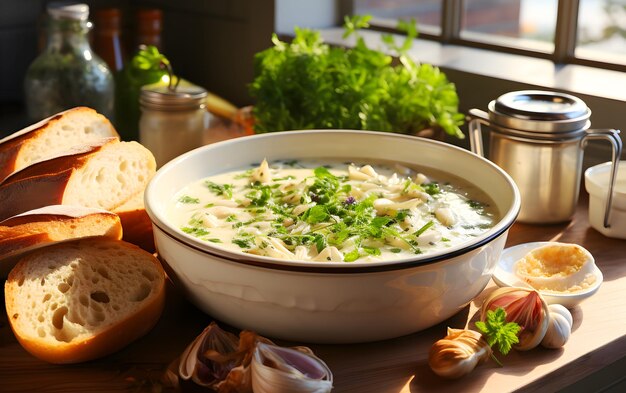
(289, 370)
(523, 306)
(458, 353)
(559, 327)
(560, 309)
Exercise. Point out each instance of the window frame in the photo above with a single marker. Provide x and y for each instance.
(451, 19)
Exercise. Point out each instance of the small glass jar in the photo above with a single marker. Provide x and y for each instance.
(68, 73)
(173, 121)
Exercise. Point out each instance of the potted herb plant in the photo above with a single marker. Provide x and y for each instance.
(308, 84)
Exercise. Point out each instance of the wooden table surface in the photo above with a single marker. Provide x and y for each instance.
(399, 365)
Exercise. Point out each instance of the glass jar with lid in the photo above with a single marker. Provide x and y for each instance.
(173, 120)
(68, 73)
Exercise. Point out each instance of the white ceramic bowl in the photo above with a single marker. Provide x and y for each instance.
(597, 185)
(329, 302)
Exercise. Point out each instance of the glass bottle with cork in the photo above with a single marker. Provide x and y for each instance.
(68, 73)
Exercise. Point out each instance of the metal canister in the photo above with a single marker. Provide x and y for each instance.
(173, 119)
(538, 138)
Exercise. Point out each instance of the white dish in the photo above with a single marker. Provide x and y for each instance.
(505, 277)
(330, 302)
(597, 184)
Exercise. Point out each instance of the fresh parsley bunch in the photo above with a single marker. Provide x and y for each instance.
(308, 84)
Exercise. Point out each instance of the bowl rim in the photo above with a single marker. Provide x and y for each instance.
(159, 221)
(595, 187)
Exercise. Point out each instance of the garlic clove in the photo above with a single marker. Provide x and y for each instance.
(559, 331)
(523, 306)
(560, 309)
(287, 370)
(458, 353)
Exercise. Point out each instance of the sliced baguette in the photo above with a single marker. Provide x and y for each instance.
(81, 300)
(52, 137)
(136, 223)
(52, 224)
(105, 177)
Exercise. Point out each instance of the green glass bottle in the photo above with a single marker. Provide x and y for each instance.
(68, 73)
(148, 66)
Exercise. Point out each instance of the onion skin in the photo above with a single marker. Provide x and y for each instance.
(458, 353)
(523, 306)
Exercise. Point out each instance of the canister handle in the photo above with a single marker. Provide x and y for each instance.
(616, 143)
(476, 118)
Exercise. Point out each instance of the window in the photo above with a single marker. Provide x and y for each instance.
(602, 30)
(589, 32)
(385, 13)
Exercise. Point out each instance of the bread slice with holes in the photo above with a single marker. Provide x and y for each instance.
(52, 137)
(81, 300)
(105, 176)
(52, 224)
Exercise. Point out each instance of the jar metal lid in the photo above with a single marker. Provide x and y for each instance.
(543, 112)
(161, 97)
(67, 10)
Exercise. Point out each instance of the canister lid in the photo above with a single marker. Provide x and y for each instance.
(68, 10)
(161, 97)
(539, 111)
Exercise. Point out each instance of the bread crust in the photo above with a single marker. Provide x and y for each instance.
(20, 196)
(73, 160)
(28, 232)
(12, 145)
(110, 340)
(45, 183)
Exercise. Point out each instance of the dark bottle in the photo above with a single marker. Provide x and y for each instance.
(68, 73)
(107, 37)
(149, 27)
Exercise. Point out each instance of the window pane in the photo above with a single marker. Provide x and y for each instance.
(528, 24)
(602, 30)
(427, 13)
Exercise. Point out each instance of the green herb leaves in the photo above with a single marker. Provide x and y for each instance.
(496, 330)
(188, 199)
(220, 189)
(308, 84)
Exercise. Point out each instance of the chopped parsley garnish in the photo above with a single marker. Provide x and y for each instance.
(220, 189)
(195, 231)
(324, 210)
(244, 242)
(431, 188)
(424, 228)
(188, 199)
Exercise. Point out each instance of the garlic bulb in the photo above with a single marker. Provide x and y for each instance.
(226, 363)
(218, 359)
(289, 370)
(458, 353)
(559, 327)
(523, 306)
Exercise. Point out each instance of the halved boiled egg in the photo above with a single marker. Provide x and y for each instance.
(557, 267)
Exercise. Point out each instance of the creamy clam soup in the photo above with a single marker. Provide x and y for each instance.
(314, 211)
